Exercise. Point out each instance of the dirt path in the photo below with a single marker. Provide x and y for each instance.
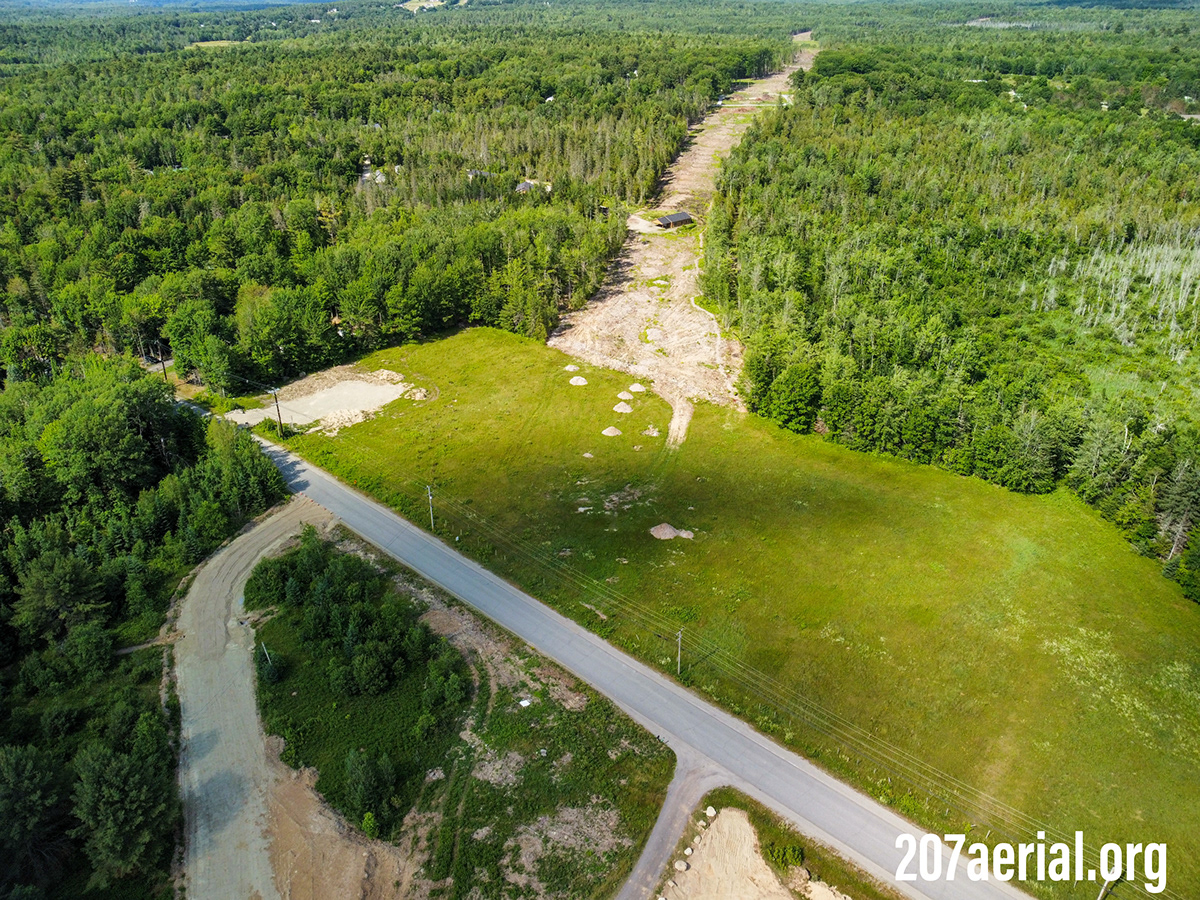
(223, 767)
(694, 777)
(644, 319)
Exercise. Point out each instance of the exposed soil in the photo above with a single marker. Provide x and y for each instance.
(726, 862)
(644, 319)
(335, 398)
(722, 858)
(315, 854)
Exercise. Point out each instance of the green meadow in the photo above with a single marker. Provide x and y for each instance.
(1016, 643)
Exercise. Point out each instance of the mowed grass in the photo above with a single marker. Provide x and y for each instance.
(1015, 642)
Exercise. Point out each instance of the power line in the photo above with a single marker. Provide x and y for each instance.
(976, 806)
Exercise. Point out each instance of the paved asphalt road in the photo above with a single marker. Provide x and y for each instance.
(819, 805)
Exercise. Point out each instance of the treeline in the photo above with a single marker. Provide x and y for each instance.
(109, 493)
(367, 641)
(265, 210)
(991, 272)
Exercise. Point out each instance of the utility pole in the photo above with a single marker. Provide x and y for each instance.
(429, 490)
(278, 415)
(163, 361)
(679, 652)
(1108, 885)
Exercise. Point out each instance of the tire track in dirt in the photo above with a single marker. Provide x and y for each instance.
(644, 320)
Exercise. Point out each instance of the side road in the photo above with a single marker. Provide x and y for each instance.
(222, 765)
(851, 822)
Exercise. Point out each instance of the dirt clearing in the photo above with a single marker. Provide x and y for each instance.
(315, 854)
(334, 399)
(723, 859)
(725, 862)
(644, 319)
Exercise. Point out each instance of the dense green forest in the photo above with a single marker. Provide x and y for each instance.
(109, 494)
(267, 210)
(347, 633)
(970, 242)
(981, 252)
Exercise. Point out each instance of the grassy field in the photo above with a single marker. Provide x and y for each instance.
(531, 760)
(1015, 642)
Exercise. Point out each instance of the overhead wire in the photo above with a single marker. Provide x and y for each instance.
(977, 807)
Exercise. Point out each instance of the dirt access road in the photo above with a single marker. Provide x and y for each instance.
(224, 769)
(644, 319)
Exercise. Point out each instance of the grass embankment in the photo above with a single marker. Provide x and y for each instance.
(1015, 642)
(566, 778)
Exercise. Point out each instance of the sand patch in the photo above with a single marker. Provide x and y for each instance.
(666, 532)
(315, 854)
(819, 890)
(639, 225)
(336, 398)
(623, 407)
(610, 431)
(579, 381)
(727, 863)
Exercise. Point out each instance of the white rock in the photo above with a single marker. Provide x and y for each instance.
(587, 456)
(636, 388)
(623, 407)
(578, 381)
(687, 852)
(625, 395)
(571, 368)
(610, 431)
(680, 866)
(710, 812)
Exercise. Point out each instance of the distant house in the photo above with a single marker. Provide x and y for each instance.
(526, 186)
(674, 220)
(472, 174)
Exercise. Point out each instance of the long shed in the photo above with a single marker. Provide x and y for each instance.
(674, 220)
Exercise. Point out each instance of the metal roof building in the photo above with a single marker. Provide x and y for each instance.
(674, 220)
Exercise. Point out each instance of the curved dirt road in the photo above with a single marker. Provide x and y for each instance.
(223, 769)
